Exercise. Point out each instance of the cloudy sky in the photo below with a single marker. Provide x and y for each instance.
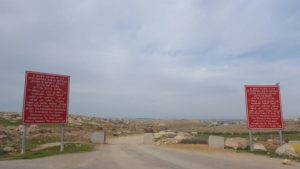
(153, 58)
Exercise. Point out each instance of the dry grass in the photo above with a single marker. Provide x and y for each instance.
(297, 148)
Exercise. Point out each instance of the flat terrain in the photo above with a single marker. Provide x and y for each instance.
(129, 153)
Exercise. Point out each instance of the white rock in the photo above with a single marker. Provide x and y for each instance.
(259, 147)
(157, 135)
(286, 162)
(167, 134)
(181, 135)
(194, 132)
(2, 136)
(237, 143)
(162, 133)
(171, 134)
(287, 150)
(8, 149)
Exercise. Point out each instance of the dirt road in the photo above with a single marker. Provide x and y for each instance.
(129, 153)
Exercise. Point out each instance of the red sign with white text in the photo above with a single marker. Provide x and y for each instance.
(46, 98)
(264, 107)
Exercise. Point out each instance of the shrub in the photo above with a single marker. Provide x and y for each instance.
(193, 141)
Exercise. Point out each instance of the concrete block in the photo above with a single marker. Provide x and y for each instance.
(216, 141)
(98, 137)
(148, 138)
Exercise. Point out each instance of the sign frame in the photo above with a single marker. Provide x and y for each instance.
(25, 94)
(280, 104)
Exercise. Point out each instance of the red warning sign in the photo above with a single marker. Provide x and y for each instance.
(263, 107)
(46, 98)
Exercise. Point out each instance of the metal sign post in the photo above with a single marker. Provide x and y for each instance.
(251, 141)
(280, 137)
(62, 138)
(23, 147)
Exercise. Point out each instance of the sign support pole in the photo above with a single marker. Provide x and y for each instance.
(280, 137)
(62, 138)
(24, 139)
(251, 141)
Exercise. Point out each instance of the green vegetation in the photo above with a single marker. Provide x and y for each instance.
(33, 143)
(7, 122)
(68, 148)
(196, 140)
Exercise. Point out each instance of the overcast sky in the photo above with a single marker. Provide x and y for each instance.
(153, 58)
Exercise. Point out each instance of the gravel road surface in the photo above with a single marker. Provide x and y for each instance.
(129, 153)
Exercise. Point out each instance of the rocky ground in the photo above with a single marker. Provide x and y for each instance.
(80, 129)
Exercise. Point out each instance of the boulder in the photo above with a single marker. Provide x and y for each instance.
(157, 135)
(194, 133)
(286, 162)
(286, 150)
(237, 143)
(259, 147)
(181, 135)
(162, 133)
(8, 149)
(168, 134)
(117, 133)
(3, 136)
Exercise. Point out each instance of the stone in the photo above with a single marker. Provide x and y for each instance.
(259, 147)
(216, 141)
(98, 137)
(286, 162)
(157, 135)
(20, 128)
(93, 123)
(3, 136)
(162, 133)
(148, 138)
(194, 133)
(168, 134)
(181, 135)
(286, 150)
(118, 133)
(8, 149)
(237, 143)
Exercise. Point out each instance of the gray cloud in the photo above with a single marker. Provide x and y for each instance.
(183, 59)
